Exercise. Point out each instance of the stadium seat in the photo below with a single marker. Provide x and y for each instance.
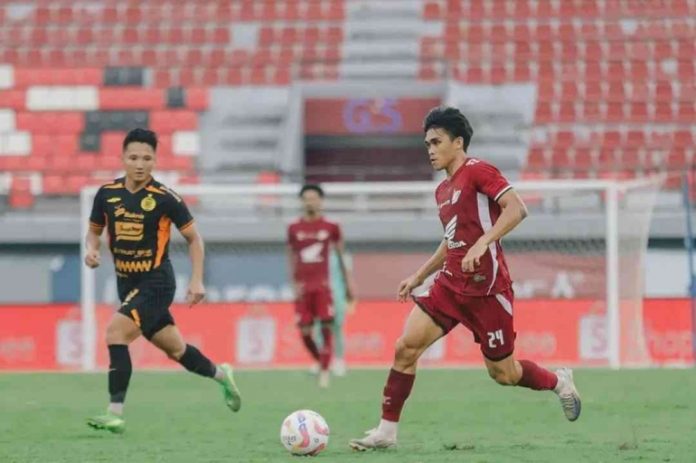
(20, 196)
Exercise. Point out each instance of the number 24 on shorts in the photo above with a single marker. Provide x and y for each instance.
(495, 339)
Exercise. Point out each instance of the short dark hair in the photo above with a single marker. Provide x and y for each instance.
(140, 135)
(452, 121)
(311, 187)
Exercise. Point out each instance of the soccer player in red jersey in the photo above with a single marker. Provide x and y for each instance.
(477, 207)
(309, 240)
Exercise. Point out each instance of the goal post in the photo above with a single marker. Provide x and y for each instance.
(584, 244)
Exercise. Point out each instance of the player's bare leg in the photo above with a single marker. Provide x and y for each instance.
(169, 340)
(420, 332)
(120, 332)
(310, 344)
(525, 373)
(326, 353)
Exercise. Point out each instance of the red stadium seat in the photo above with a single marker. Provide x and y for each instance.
(537, 159)
(584, 158)
(432, 11)
(20, 196)
(630, 158)
(676, 159)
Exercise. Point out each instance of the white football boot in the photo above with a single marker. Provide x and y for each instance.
(338, 367)
(374, 439)
(568, 394)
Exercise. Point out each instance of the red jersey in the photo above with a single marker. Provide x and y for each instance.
(310, 242)
(468, 208)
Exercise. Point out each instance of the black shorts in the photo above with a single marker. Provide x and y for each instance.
(146, 298)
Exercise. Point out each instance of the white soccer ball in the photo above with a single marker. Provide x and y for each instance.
(304, 432)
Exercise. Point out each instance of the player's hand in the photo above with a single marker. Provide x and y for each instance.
(195, 293)
(472, 259)
(92, 258)
(406, 286)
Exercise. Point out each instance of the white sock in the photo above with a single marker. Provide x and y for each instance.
(116, 408)
(388, 428)
(219, 374)
(559, 384)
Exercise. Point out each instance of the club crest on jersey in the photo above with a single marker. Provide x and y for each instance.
(148, 204)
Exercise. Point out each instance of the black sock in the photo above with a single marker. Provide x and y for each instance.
(120, 369)
(195, 362)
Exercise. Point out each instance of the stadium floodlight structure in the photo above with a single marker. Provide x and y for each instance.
(601, 223)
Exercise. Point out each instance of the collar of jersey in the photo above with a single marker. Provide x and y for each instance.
(123, 180)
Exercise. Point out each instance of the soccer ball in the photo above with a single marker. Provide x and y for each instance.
(304, 432)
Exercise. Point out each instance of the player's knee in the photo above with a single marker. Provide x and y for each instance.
(306, 330)
(175, 352)
(406, 353)
(115, 335)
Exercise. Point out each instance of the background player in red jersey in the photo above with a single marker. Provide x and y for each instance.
(477, 207)
(309, 240)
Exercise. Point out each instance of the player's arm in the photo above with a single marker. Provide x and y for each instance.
(340, 254)
(196, 289)
(292, 262)
(428, 268)
(513, 211)
(97, 222)
(93, 244)
(292, 269)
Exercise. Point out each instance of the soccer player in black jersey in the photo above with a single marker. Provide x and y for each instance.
(137, 212)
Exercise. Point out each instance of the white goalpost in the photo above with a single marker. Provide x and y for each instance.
(584, 240)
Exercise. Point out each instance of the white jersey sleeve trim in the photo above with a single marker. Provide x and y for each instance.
(502, 192)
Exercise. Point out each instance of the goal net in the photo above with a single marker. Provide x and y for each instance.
(577, 262)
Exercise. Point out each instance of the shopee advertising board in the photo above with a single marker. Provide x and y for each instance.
(552, 331)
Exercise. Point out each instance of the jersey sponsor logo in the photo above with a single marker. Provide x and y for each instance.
(113, 200)
(133, 252)
(312, 254)
(148, 203)
(455, 196)
(450, 230)
(122, 211)
(321, 235)
(129, 231)
(127, 266)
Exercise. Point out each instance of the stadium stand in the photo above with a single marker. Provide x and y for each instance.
(615, 79)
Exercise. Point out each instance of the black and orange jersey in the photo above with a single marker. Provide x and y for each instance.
(138, 224)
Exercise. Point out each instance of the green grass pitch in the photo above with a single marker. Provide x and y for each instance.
(452, 415)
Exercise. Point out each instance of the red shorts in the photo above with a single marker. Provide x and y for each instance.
(313, 305)
(488, 317)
